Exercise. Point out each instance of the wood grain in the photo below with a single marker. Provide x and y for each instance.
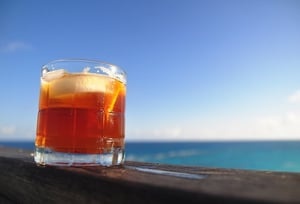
(21, 181)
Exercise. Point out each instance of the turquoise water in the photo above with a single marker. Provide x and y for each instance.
(273, 156)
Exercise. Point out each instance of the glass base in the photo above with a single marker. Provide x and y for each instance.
(46, 156)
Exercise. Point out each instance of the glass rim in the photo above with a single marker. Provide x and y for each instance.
(117, 73)
(81, 60)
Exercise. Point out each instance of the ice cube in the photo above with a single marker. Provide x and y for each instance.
(56, 74)
(105, 70)
(92, 83)
(113, 72)
(79, 83)
(86, 69)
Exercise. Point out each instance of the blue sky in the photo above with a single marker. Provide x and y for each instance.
(197, 70)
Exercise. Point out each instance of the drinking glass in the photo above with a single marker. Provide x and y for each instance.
(81, 118)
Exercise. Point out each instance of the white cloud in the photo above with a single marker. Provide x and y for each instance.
(285, 126)
(15, 46)
(7, 130)
(278, 126)
(12, 132)
(164, 133)
(295, 97)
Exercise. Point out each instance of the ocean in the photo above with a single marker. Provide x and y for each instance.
(283, 156)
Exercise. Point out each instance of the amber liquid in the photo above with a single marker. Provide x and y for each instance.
(81, 113)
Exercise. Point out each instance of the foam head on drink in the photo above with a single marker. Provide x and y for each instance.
(80, 113)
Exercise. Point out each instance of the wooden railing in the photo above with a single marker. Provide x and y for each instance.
(21, 181)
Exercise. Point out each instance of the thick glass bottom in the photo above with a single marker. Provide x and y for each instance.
(46, 156)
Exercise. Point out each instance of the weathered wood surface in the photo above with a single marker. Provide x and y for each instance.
(21, 181)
